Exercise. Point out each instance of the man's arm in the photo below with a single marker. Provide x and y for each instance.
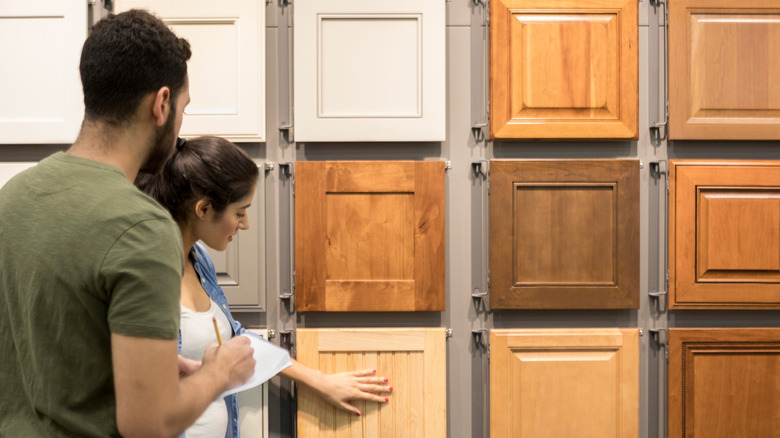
(151, 399)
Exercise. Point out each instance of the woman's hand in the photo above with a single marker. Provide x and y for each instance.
(339, 388)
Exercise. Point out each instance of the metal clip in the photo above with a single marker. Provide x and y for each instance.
(481, 338)
(661, 337)
(271, 334)
(269, 166)
(481, 168)
(448, 333)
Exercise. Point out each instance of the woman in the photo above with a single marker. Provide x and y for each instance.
(207, 185)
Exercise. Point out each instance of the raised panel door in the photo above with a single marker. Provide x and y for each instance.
(564, 69)
(227, 68)
(564, 234)
(369, 70)
(724, 382)
(724, 234)
(564, 383)
(414, 361)
(40, 86)
(369, 236)
(723, 61)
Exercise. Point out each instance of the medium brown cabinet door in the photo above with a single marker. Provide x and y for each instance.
(724, 383)
(723, 68)
(369, 236)
(564, 234)
(564, 383)
(724, 234)
(563, 69)
(414, 361)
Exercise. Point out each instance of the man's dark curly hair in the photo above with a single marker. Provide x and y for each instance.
(125, 57)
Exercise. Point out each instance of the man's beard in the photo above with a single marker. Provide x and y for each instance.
(164, 146)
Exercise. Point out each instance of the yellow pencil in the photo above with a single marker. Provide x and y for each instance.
(216, 329)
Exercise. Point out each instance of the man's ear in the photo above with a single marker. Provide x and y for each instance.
(162, 105)
(201, 208)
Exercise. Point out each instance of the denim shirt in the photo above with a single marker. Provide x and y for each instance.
(208, 279)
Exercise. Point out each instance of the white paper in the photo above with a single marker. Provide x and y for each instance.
(269, 360)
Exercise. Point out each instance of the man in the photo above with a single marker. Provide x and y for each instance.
(90, 268)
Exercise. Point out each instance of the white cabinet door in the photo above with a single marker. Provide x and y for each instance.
(369, 70)
(40, 89)
(227, 68)
(253, 406)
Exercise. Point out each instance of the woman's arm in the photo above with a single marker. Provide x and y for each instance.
(339, 388)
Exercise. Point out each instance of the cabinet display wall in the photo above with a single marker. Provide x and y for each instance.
(40, 88)
(564, 234)
(369, 70)
(414, 361)
(564, 69)
(724, 382)
(227, 68)
(723, 65)
(369, 236)
(724, 234)
(564, 383)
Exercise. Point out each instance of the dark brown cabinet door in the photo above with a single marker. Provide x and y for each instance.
(564, 69)
(724, 383)
(723, 70)
(724, 234)
(564, 234)
(369, 236)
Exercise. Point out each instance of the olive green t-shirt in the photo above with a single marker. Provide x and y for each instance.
(83, 254)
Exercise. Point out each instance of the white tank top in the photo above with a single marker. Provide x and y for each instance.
(197, 333)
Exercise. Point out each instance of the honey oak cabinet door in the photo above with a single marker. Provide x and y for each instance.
(227, 68)
(414, 361)
(40, 87)
(369, 70)
(241, 267)
(724, 234)
(723, 70)
(724, 383)
(369, 236)
(564, 69)
(564, 234)
(564, 383)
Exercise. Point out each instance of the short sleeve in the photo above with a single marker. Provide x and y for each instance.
(142, 274)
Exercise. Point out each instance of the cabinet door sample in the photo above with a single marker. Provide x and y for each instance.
(241, 267)
(723, 66)
(369, 70)
(227, 68)
(253, 406)
(40, 86)
(369, 236)
(564, 69)
(564, 234)
(724, 234)
(724, 383)
(564, 383)
(414, 361)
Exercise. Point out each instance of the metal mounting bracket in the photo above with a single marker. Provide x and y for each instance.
(655, 123)
(658, 168)
(480, 109)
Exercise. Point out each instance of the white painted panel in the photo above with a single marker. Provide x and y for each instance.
(40, 89)
(9, 170)
(227, 68)
(369, 70)
(253, 406)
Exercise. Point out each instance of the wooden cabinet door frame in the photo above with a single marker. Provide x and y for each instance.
(541, 89)
(325, 264)
(694, 281)
(612, 354)
(687, 346)
(516, 284)
(414, 360)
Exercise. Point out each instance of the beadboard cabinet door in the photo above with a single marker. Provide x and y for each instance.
(564, 69)
(564, 234)
(564, 383)
(241, 267)
(253, 406)
(724, 383)
(723, 70)
(227, 68)
(40, 88)
(414, 361)
(724, 234)
(369, 236)
(369, 70)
